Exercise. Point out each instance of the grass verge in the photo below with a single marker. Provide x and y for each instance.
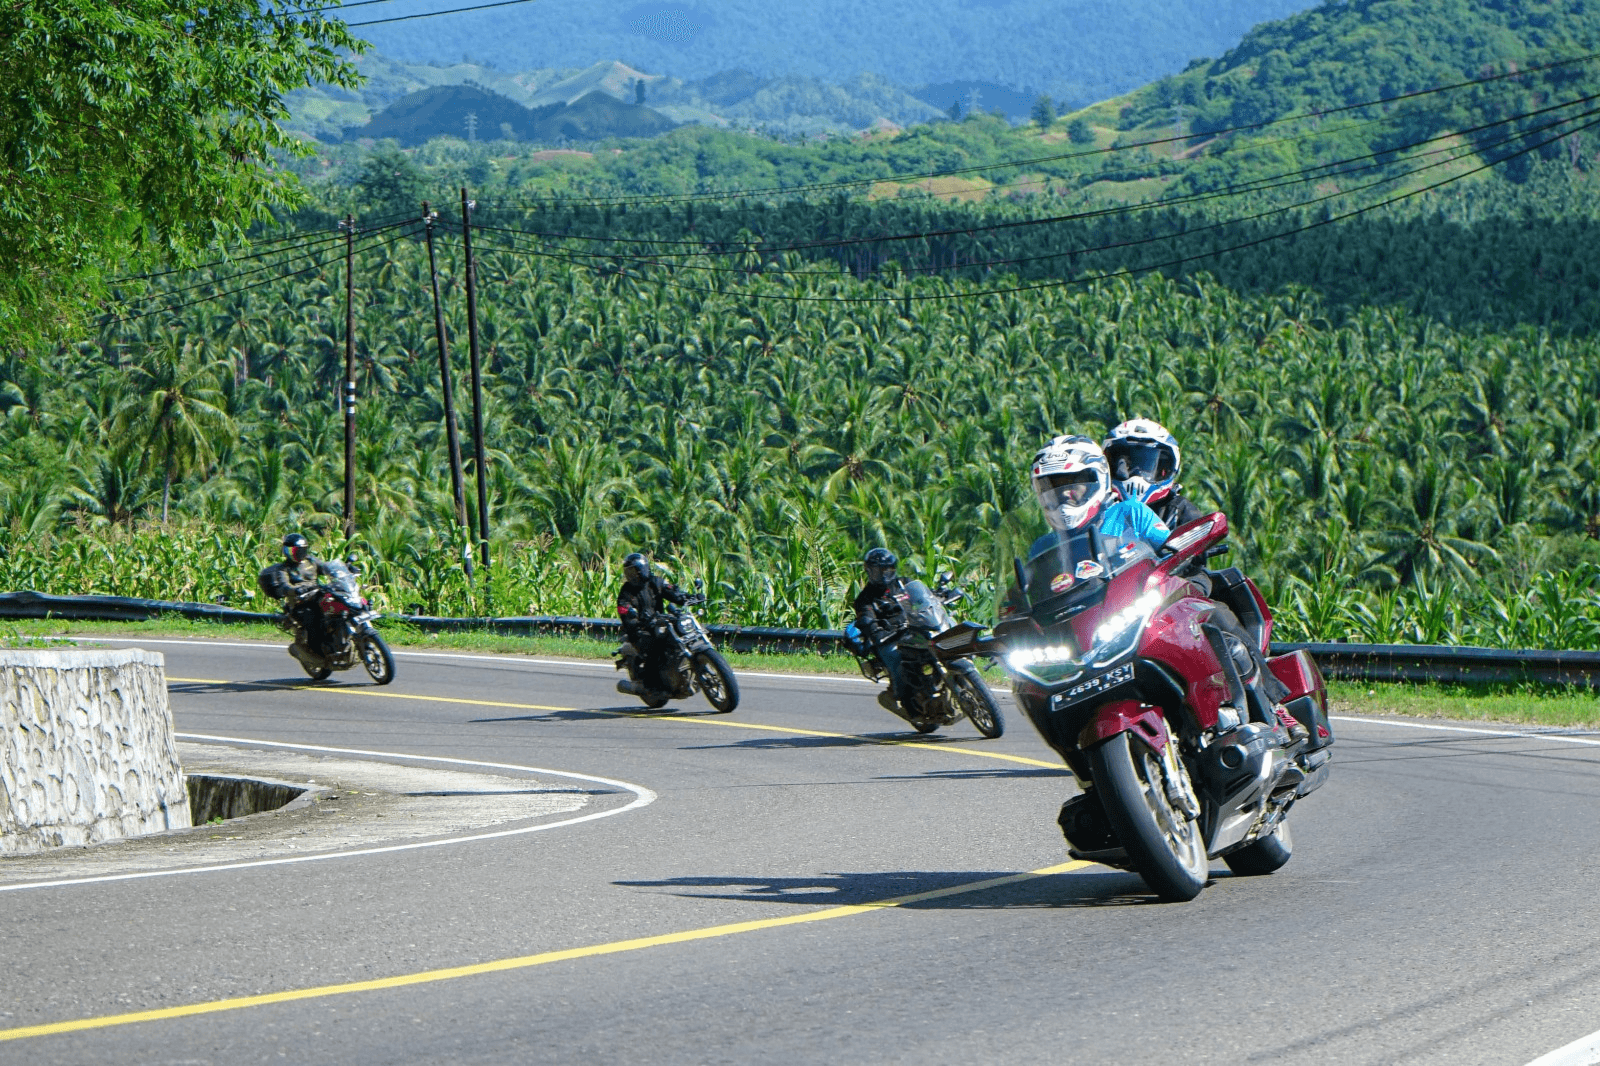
(1521, 704)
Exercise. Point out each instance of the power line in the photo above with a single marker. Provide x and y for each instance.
(320, 242)
(431, 14)
(1124, 272)
(1086, 153)
(1321, 171)
(309, 236)
(314, 266)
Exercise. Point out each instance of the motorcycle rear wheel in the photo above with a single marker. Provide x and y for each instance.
(1166, 846)
(716, 680)
(376, 658)
(1266, 855)
(977, 702)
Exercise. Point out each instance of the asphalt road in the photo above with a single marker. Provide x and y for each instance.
(1439, 907)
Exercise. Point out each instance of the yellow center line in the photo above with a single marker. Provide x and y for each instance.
(522, 962)
(918, 744)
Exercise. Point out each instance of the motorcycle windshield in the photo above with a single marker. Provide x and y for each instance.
(922, 609)
(1071, 563)
(341, 582)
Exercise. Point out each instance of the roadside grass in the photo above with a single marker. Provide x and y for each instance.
(1521, 703)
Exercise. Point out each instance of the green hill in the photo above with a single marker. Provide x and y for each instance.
(472, 113)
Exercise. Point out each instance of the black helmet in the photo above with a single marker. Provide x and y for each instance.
(636, 568)
(296, 548)
(880, 564)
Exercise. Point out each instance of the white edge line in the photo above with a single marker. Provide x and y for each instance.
(643, 797)
(1523, 734)
(510, 657)
(1584, 1051)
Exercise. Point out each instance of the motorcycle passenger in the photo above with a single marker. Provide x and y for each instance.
(1072, 481)
(294, 581)
(1145, 463)
(638, 602)
(879, 564)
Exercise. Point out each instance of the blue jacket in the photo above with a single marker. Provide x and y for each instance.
(1118, 520)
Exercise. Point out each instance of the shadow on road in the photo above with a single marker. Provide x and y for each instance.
(201, 688)
(1089, 888)
(977, 775)
(594, 714)
(857, 741)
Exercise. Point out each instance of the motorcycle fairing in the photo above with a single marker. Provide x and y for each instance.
(1126, 716)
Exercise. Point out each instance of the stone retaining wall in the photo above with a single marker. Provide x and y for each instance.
(86, 749)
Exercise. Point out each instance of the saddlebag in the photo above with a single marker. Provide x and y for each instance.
(1308, 698)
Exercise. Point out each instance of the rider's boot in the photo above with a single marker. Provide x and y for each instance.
(306, 655)
(629, 687)
(887, 701)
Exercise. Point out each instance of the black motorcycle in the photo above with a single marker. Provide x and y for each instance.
(332, 627)
(689, 661)
(937, 687)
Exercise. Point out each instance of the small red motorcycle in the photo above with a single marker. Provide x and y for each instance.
(1132, 666)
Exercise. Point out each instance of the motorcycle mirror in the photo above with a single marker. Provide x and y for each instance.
(350, 561)
(699, 584)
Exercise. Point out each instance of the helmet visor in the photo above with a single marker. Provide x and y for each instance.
(1066, 490)
(1131, 459)
(880, 573)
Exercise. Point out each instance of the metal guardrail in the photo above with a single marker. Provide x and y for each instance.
(1351, 662)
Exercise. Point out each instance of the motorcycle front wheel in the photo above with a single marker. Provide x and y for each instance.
(977, 702)
(716, 680)
(1166, 845)
(376, 658)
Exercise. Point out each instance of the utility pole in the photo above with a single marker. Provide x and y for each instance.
(479, 460)
(1178, 147)
(448, 385)
(472, 125)
(349, 227)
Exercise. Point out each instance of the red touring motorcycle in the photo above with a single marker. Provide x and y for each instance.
(1120, 663)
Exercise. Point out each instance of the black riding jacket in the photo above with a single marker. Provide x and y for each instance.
(638, 602)
(1177, 510)
(285, 579)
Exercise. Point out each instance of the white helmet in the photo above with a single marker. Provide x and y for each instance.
(1144, 460)
(1072, 481)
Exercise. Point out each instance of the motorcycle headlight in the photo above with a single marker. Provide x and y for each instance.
(1117, 635)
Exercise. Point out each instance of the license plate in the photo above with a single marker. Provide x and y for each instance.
(1100, 683)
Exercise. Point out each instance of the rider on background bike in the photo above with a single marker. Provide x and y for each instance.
(293, 581)
(638, 602)
(879, 564)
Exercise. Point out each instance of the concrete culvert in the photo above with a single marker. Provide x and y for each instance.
(213, 796)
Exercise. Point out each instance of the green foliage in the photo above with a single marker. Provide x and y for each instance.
(134, 131)
(1390, 477)
(1043, 113)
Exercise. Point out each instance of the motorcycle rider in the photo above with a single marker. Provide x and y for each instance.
(294, 581)
(1072, 480)
(879, 564)
(1145, 462)
(638, 602)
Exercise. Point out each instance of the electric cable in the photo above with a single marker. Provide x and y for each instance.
(1086, 153)
(332, 255)
(309, 235)
(1318, 172)
(1060, 283)
(431, 14)
(334, 238)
